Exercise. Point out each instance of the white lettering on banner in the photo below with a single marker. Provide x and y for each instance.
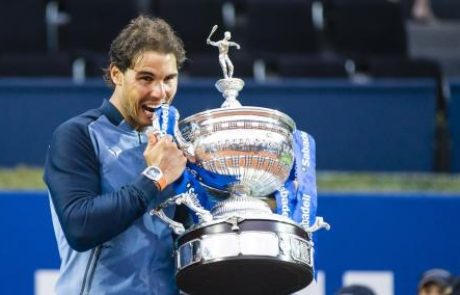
(305, 151)
(284, 193)
(44, 281)
(305, 210)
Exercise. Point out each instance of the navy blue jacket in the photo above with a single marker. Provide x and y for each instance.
(107, 241)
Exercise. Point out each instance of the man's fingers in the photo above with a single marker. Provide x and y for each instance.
(152, 138)
(166, 139)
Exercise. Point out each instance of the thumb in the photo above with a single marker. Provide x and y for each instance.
(152, 138)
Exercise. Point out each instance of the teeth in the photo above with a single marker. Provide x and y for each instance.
(150, 107)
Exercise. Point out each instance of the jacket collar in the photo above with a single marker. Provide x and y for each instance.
(111, 112)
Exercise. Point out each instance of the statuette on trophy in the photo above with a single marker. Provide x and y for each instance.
(223, 46)
(228, 86)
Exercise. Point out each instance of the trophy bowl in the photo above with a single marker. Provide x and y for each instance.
(242, 151)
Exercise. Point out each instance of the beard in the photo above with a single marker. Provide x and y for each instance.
(132, 113)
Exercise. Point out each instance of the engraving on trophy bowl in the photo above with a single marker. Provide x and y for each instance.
(244, 150)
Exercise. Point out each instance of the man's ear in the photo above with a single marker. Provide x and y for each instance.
(116, 75)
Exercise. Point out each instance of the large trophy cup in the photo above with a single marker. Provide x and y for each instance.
(241, 155)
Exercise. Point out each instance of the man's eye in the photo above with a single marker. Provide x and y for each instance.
(148, 79)
(169, 79)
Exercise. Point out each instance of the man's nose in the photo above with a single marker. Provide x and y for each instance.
(158, 90)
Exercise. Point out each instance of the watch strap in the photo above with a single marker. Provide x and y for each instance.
(160, 183)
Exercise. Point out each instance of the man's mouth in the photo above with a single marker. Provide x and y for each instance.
(149, 109)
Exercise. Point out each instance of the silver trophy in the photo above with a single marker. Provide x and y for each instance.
(241, 156)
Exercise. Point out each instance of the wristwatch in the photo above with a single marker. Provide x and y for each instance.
(154, 173)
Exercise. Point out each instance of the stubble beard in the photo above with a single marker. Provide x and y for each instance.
(131, 113)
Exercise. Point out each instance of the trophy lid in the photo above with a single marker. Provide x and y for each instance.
(243, 113)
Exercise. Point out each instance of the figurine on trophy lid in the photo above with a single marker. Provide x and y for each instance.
(228, 86)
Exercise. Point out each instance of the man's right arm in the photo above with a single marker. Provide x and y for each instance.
(87, 217)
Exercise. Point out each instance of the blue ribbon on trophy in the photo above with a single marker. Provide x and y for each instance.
(297, 198)
(166, 117)
(299, 191)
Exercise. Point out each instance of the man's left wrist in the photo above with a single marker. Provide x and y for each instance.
(155, 174)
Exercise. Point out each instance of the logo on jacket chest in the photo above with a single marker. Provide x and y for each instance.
(115, 151)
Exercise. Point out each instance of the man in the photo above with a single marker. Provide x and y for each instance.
(435, 281)
(104, 173)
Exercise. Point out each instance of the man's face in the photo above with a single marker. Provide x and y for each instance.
(152, 81)
(431, 289)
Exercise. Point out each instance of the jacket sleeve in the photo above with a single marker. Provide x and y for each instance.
(87, 217)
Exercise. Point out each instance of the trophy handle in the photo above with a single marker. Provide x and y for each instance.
(319, 224)
(189, 200)
(184, 145)
(177, 227)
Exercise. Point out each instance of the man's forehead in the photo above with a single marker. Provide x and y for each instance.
(155, 59)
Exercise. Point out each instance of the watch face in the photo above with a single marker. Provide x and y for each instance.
(154, 173)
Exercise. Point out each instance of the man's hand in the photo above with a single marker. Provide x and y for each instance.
(165, 154)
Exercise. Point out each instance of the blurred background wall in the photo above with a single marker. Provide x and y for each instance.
(347, 47)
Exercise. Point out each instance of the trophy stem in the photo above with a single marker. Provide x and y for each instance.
(230, 88)
(240, 205)
(239, 190)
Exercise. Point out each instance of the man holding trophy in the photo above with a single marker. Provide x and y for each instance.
(117, 173)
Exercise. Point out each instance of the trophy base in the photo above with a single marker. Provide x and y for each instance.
(244, 275)
(244, 255)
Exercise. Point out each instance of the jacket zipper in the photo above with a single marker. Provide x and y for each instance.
(89, 271)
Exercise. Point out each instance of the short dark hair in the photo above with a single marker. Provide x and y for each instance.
(437, 276)
(143, 34)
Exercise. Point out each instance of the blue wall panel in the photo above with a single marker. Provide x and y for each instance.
(405, 234)
(402, 233)
(31, 110)
(27, 241)
(381, 126)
